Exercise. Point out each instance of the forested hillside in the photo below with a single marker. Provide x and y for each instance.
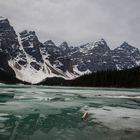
(125, 78)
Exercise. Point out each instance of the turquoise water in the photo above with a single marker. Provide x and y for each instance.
(54, 113)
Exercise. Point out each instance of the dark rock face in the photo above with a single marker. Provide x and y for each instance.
(93, 56)
(8, 39)
(65, 49)
(31, 44)
(8, 45)
(26, 56)
(9, 49)
(56, 55)
(35, 65)
(126, 56)
(4, 64)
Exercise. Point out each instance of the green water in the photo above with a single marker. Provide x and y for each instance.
(54, 113)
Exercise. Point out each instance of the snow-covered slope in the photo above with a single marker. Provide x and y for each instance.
(36, 66)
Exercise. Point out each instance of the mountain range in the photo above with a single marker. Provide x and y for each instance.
(22, 55)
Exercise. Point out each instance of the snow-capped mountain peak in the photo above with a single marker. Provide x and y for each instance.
(126, 47)
(100, 44)
(49, 43)
(100, 41)
(64, 47)
(2, 19)
(64, 44)
(33, 61)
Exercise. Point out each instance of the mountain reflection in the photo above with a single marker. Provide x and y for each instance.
(24, 127)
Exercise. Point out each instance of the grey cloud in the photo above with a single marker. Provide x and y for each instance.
(77, 21)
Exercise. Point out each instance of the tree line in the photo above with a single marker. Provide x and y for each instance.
(129, 78)
(110, 78)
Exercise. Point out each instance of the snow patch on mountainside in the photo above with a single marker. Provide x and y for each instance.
(2, 18)
(76, 70)
(28, 74)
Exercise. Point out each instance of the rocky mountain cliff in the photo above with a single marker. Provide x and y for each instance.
(23, 55)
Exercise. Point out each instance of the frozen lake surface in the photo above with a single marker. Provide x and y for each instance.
(54, 113)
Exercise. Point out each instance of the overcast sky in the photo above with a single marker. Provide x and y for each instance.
(77, 21)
